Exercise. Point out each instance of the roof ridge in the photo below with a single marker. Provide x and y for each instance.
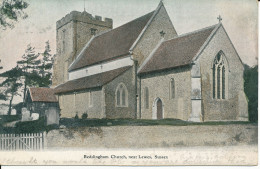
(193, 32)
(101, 33)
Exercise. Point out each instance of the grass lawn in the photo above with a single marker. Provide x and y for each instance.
(138, 122)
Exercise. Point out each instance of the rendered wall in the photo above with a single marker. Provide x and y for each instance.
(79, 102)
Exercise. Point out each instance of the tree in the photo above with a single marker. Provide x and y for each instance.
(11, 84)
(251, 91)
(10, 11)
(29, 65)
(46, 67)
(1, 67)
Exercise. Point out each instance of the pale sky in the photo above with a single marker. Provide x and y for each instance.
(239, 20)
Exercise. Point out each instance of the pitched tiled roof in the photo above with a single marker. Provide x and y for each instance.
(42, 95)
(92, 81)
(112, 44)
(177, 52)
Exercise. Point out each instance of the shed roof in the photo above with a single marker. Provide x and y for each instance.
(41, 94)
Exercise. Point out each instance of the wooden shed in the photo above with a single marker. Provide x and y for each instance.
(43, 102)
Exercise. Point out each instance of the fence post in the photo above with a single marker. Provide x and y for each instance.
(44, 140)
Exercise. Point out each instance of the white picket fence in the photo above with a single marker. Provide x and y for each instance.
(28, 141)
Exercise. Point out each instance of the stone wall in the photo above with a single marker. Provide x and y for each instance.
(153, 136)
(112, 111)
(158, 85)
(228, 108)
(79, 102)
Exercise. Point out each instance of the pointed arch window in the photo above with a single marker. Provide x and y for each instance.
(219, 77)
(121, 96)
(146, 97)
(172, 89)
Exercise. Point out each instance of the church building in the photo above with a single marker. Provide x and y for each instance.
(145, 70)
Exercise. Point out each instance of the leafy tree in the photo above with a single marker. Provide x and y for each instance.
(46, 66)
(251, 91)
(10, 11)
(11, 84)
(28, 65)
(1, 67)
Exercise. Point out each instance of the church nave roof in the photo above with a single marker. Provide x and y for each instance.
(112, 44)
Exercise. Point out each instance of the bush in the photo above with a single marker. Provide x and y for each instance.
(9, 118)
(76, 116)
(30, 126)
(18, 107)
(84, 116)
(251, 90)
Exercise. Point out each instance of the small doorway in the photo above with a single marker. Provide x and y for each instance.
(158, 109)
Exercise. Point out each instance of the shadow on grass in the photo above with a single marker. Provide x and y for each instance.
(138, 122)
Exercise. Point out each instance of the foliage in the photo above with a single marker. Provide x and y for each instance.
(18, 107)
(251, 91)
(30, 126)
(37, 68)
(1, 67)
(7, 118)
(76, 116)
(12, 10)
(45, 67)
(71, 123)
(28, 65)
(84, 116)
(11, 85)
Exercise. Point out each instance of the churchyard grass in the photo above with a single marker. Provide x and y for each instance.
(137, 122)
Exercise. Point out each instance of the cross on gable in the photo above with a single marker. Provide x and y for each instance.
(162, 33)
(219, 18)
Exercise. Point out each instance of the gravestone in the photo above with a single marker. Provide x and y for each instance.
(52, 115)
(35, 116)
(25, 114)
(13, 112)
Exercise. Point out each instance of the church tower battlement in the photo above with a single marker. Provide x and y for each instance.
(84, 17)
(72, 32)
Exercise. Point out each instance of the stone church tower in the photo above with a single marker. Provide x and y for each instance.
(72, 32)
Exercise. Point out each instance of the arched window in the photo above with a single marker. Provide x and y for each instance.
(146, 97)
(219, 75)
(121, 96)
(172, 89)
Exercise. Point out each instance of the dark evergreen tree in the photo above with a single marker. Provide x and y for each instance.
(11, 85)
(45, 68)
(29, 66)
(251, 91)
(1, 67)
